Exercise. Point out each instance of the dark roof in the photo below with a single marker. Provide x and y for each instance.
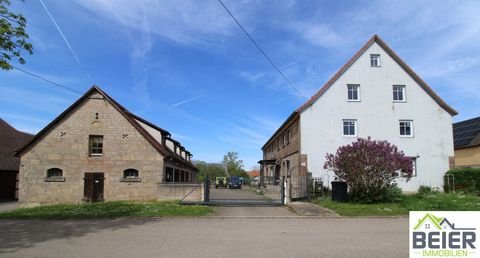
(466, 133)
(10, 140)
(397, 59)
(125, 113)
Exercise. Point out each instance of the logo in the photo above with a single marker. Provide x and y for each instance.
(444, 234)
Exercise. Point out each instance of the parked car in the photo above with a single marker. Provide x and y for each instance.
(221, 182)
(235, 183)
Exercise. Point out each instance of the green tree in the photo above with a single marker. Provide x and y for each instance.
(210, 169)
(13, 38)
(370, 167)
(233, 162)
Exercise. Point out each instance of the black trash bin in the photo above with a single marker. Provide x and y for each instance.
(339, 191)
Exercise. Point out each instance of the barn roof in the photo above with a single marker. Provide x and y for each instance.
(10, 140)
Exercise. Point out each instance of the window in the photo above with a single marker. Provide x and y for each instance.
(54, 172)
(96, 145)
(399, 93)
(176, 175)
(288, 136)
(349, 127)
(353, 92)
(414, 166)
(168, 174)
(278, 144)
(375, 60)
(406, 128)
(54, 175)
(130, 173)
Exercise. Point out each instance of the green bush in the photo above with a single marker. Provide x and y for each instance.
(466, 180)
(393, 194)
(388, 194)
(427, 190)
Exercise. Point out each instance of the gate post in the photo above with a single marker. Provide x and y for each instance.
(206, 185)
(282, 190)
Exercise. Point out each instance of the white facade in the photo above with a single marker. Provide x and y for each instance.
(377, 115)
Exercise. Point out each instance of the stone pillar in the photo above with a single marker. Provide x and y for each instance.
(262, 174)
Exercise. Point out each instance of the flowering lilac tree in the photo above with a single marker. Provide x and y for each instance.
(369, 168)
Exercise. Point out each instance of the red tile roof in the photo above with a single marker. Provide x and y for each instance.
(253, 173)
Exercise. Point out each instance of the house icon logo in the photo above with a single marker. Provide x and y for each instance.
(429, 221)
(438, 234)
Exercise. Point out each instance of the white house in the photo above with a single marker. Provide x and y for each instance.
(374, 94)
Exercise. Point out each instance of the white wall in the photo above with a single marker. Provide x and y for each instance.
(377, 116)
(156, 134)
(170, 145)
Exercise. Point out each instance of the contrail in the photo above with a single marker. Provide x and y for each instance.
(63, 35)
(186, 101)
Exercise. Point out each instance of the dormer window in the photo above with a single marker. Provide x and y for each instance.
(353, 92)
(375, 60)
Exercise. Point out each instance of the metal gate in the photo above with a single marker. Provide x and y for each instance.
(230, 191)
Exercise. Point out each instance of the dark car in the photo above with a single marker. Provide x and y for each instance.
(235, 183)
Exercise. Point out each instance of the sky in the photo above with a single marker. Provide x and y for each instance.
(187, 67)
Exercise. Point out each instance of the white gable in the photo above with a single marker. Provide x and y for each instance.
(377, 115)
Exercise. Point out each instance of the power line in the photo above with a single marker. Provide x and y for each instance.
(47, 80)
(261, 50)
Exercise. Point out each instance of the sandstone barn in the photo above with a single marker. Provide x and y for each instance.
(97, 150)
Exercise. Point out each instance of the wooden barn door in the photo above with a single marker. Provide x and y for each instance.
(93, 187)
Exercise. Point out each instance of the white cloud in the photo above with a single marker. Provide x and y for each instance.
(186, 100)
(34, 100)
(187, 22)
(139, 58)
(319, 34)
(450, 67)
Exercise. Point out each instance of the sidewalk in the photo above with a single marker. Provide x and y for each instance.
(253, 212)
(292, 210)
(311, 210)
(8, 206)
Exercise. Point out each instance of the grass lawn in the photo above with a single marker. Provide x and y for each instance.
(417, 202)
(114, 209)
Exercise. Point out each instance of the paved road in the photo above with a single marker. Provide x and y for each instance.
(326, 237)
(271, 193)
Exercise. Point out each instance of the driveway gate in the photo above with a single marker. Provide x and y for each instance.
(262, 191)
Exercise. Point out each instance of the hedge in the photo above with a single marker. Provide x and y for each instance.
(466, 179)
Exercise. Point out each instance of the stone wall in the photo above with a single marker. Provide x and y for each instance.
(277, 149)
(176, 191)
(66, 147)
